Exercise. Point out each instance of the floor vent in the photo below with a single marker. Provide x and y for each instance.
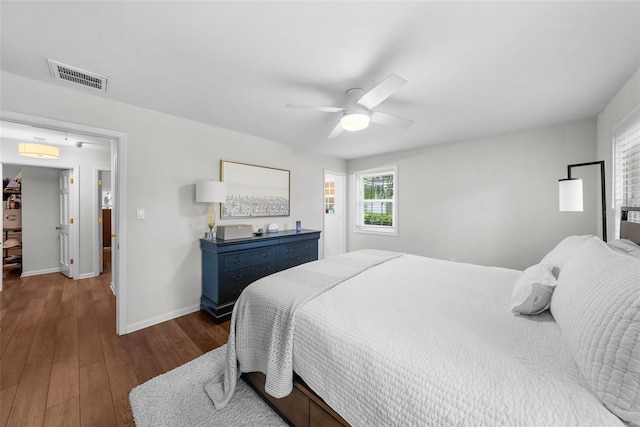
(78, 76)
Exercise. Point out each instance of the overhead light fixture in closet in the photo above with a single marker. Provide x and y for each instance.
(38, 150)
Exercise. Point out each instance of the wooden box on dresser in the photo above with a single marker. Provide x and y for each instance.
(229, 266)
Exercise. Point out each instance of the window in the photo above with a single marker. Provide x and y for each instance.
(329, 197)
(626, 159)
(376, 203)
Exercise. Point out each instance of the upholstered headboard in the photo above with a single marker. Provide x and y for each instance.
(628, 229)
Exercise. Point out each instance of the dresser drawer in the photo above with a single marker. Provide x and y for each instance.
(232, 293)
(283, 264)
(243, 259)
(247, 275)
(291, 250)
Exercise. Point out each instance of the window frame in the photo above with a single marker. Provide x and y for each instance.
(618, 199)
(359, 226)
(329, 197)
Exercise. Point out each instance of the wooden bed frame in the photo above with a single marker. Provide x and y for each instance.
(301, 408)
(304, 408)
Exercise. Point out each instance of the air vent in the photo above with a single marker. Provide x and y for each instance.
(78, 76)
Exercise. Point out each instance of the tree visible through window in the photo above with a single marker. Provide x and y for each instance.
(376, 201)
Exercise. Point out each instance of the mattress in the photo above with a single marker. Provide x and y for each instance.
(419, 341)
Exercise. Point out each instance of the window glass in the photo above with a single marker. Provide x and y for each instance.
(376, 201)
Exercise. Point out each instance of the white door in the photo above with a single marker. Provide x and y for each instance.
(66, 221)
(334, 213)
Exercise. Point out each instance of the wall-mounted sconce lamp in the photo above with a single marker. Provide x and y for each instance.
(211, 192)
(570, 193)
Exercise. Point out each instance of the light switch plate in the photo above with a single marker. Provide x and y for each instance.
(140, 213)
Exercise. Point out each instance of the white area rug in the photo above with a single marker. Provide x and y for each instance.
(177, 398)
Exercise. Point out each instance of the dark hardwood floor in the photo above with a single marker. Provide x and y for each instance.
(61, 362)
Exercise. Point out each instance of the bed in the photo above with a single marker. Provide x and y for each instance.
(380, 338)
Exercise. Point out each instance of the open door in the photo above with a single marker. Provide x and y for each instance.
(66, 221)
(334, 213)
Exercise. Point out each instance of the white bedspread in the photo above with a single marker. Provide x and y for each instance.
(419, 342)
(263, 321)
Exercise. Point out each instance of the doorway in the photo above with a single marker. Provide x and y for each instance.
(117, 149)
(104, 231)
(334, 213)
(46, 242)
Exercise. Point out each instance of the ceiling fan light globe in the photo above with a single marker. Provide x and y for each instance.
(355, 121)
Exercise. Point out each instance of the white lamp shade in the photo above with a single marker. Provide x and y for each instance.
(570, 195)
(38, 150)
(354, 121)
(211, 192)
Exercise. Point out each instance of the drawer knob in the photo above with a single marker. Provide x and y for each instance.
(237, 261)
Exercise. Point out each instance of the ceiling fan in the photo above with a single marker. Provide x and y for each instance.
(358, 109)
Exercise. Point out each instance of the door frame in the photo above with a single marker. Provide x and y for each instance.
(97, 224)
(119, 184)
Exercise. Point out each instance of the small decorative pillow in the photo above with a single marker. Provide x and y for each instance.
(626, 246)
(563, 252)
(596, 304)
(532, 292)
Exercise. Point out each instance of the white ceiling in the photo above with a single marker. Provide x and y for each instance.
(474, 68)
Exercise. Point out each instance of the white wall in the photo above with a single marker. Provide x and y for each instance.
(89, 160)
(166, 155)
(491, 201)
(624, 103)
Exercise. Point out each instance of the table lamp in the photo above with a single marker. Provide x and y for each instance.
(211, 192)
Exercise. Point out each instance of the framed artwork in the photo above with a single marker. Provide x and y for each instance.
(254, 191)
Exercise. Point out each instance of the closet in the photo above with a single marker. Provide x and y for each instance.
(12, 223)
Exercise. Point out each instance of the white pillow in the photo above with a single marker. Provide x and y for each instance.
(626, 246)
(532, 292)
(596, 304)
(563, 252)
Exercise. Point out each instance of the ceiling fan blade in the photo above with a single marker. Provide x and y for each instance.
(390, 120)
(316, 108)
(382, 91)
(336, 131)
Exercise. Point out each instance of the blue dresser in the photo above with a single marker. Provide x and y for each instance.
(228, 266)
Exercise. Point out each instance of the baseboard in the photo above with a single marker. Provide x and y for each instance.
(39, 272)
(54, 270)
(162, 318)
